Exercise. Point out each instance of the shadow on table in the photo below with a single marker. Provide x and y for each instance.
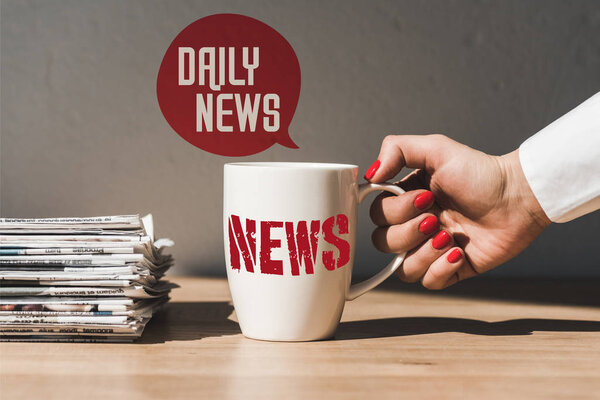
(575, 292)
(190, 321)
(182, 321)
(407, 326)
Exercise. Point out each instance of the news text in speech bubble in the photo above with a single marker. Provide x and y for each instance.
(229, 84)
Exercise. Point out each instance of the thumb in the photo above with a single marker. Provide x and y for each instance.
(413, 151)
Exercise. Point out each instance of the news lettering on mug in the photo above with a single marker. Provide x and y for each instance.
(255, 246)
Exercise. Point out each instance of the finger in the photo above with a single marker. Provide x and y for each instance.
(416, 180)
(406, 236)
(450, 268)
(418, 261)
(393, 210)
(413, 151)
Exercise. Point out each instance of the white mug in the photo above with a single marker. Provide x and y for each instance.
(290, 235)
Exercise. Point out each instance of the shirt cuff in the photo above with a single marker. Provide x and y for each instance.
(562, 163)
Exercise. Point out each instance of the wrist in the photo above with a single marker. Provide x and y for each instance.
(517, 192)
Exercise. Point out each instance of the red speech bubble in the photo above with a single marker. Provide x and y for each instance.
(229, 84)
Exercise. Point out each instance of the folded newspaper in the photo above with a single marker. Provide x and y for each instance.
(93, 279)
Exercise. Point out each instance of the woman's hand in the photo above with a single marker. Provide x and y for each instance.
(464, 212)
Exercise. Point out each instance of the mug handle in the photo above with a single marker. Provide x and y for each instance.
(358, 289)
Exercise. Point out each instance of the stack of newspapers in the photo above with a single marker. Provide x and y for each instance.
(80, 279)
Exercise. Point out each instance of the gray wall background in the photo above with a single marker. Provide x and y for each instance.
(82, 133)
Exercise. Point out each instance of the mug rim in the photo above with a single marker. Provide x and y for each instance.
(292, 165)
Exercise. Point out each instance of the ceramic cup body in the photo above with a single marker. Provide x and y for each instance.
(290, 235)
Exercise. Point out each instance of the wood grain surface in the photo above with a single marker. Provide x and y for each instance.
(480, 340)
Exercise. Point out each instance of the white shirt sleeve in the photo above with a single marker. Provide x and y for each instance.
(562, 163)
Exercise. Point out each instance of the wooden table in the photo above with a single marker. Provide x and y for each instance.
(471, 342)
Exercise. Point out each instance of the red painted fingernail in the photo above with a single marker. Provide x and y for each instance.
(429, 225)
(440, 240)
(424, 200)
(372, 169)
(454, 256)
